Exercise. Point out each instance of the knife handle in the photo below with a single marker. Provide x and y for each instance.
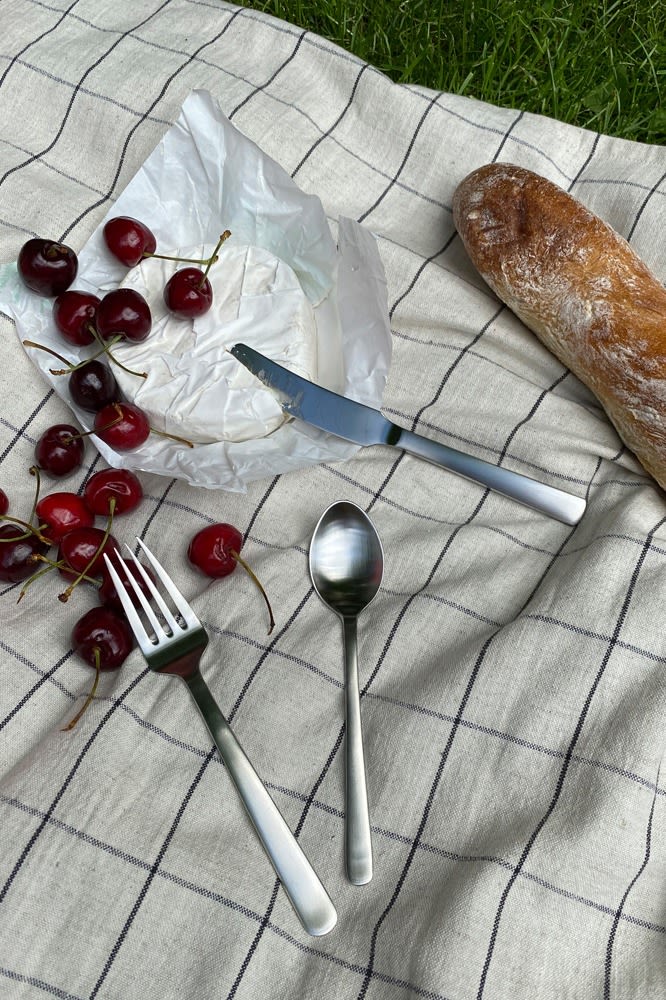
(547, 499)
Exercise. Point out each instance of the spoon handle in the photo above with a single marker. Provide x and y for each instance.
(358, 843)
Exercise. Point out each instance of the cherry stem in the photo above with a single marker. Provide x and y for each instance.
(66, 594)
(255, 580)
(30, 529)
(106, 350)
(59, 564)
(223, 238)
(91, 693)
(42, 347)
(35, 576)
(174, 437)
(34, 471)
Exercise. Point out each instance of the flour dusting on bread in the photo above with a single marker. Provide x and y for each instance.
(580, 287)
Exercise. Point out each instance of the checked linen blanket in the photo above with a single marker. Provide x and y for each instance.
(512, 668)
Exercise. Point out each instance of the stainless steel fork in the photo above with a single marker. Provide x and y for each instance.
(175, 647)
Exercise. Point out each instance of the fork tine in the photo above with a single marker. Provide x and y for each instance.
(157, 597)
(142, 636)
(176, 596)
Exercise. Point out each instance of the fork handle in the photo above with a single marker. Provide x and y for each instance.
(299, 880)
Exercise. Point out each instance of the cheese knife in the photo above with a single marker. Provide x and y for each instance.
(364, 425)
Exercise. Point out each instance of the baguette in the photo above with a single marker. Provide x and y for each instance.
(580, 288)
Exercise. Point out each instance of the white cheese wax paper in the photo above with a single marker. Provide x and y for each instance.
(203, 178)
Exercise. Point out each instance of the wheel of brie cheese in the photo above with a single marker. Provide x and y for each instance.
(194, 387)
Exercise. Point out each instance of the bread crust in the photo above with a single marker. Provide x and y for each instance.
(580, 288)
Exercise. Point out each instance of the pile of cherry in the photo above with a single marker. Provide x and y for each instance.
(66, 520)
(83, 319)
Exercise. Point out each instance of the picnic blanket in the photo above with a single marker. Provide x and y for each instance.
(512, 667)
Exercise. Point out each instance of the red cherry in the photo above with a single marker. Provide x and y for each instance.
(93, 386)
(124, 312)
(4, 502)
(60, 449)
(61, 513)
(120, 485)
(104, 640)
(82, 550)
(101, 628)
(74, 315)
(47, 267)
(188, 292)
(107, 593)
(18, 548)
(128, 239)
(214, 550)
(123, 426)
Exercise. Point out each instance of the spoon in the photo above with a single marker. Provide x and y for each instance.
(346, 566)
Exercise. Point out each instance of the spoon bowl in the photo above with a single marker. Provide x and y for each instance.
(346, 567)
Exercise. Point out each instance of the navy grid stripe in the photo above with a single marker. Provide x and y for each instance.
(454, 728)
(136, 126)
(257, 90)
(47, 149)
(617, 916)
(568, 755)
(35, 41)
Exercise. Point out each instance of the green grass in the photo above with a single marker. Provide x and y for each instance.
(600, 65)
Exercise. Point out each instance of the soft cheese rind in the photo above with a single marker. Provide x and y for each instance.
(194, 387)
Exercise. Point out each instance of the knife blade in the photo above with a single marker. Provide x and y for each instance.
(353, 421)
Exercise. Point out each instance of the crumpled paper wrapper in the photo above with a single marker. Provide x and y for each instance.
(205, 177)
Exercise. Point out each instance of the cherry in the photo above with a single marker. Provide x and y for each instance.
(188, 292)
(123, 426)
(18, 549)
(82, 551)
(128, 239)
(215, 551)
(74, 315)
(124, 312)
(61, 513)
(104, 640)
(60, 449)
(103, 629)
(47, 267)
(107, 593)
(4, 502)
(121, 486)
(93, 386)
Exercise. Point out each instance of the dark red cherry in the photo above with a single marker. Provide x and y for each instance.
(60, 449)
(82, 549)
(120, 485)
(4, 502)
(105, 630)
(62, 512)
(188, 293)
(93, 386)
(104, 640)
(107, 593)
(123, 426)
(18, 548)
(74, 316)
(214, 550)
(124, 312)
(128, 239)
(47, 267)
